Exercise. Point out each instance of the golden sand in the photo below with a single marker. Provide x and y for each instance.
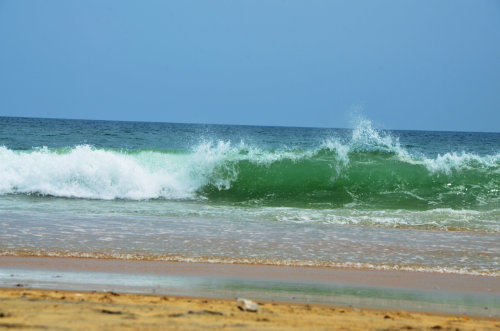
(71, 310)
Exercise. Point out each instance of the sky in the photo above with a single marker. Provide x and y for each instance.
(414, 65)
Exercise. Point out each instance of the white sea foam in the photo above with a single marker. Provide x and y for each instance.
(86, 172)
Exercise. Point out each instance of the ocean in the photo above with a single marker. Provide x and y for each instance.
(351, 198)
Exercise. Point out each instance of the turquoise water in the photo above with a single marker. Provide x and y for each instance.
(358, 197)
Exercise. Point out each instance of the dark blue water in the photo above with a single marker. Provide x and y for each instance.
(27, 133)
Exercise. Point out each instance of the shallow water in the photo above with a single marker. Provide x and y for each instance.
(255, 242)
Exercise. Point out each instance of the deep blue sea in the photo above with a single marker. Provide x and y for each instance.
(360, 197)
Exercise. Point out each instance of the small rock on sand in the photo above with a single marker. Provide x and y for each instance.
(247, 305)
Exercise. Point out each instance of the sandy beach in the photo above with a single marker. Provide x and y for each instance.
(78, 310)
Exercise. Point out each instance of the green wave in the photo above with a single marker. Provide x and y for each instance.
(374, 175)
(372, 179)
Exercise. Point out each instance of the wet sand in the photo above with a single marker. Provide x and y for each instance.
(78, 310)
(365, 277)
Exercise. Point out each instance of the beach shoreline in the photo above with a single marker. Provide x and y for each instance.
(417, 280)
(367, 289)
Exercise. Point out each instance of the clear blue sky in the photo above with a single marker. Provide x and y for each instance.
(425, 65)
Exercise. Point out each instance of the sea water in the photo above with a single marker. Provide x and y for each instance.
(358, 198)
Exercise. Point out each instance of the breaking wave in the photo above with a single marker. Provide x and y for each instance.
(369, 169)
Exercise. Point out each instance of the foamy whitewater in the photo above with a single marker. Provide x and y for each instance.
(362, 197)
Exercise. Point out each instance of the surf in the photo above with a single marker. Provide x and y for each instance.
(370, 168)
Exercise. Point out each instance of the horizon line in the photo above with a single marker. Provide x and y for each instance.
(221, 124)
